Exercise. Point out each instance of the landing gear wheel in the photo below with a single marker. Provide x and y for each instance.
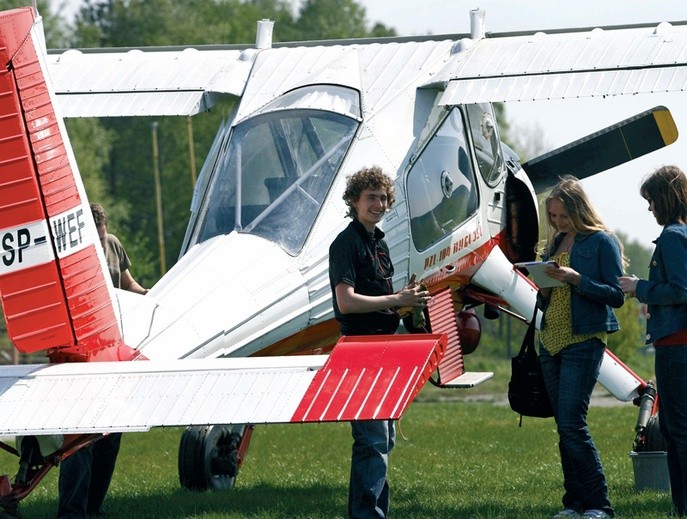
(208, 457)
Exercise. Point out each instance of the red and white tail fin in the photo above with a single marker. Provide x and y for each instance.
(54, 292)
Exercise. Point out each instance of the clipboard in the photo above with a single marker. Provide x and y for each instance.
(536, 273)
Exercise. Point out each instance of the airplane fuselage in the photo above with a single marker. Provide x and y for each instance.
(254, 269)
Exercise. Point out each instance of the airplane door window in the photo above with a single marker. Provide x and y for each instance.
(275, 170)
(485, 140)
(441, 186)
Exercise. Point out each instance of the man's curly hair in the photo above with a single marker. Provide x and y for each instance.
(368, 178)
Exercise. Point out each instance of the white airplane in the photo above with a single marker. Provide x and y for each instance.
(241, 329)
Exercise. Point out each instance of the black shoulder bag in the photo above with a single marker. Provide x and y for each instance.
(526, 390)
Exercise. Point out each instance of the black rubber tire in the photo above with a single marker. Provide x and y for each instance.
(654, 438)
(208, 457)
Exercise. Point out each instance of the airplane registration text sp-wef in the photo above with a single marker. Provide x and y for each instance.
(27, 245)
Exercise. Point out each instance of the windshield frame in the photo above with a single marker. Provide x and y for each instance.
(298, 143)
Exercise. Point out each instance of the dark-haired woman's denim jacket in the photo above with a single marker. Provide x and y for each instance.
(597, 258)
(665, 292)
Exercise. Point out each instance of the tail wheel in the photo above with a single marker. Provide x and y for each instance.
(208, 457)
(654, 439)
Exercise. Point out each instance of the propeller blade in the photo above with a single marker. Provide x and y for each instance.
(641, 134)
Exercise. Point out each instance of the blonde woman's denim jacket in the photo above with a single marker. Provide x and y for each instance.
(665, 292)
(597, 258)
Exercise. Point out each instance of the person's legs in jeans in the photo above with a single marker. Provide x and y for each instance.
(105, 453)
(551, 366)
(368, 496)
(73, 483)
(671, 381)
(570, 378)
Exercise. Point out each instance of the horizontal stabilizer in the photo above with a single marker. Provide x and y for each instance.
(605, 149)
(363, 378)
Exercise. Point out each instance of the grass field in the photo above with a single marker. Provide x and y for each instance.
(454, 459)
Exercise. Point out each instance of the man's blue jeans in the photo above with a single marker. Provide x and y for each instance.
(85, 478)
(671, 382)
(368, 492)
(570, 376)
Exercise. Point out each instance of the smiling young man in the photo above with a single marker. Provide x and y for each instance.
(360, 275)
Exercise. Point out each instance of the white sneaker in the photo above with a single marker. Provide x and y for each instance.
(595, 514)
(568, 513)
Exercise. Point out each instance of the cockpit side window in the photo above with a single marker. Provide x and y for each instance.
(485, 139)
(276, 167)
(441, 186)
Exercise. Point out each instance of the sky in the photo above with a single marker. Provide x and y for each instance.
(615, 193)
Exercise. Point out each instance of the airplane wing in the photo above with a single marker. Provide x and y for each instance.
(563, 65)
(498, 68)
(159, 82)
(363, 378)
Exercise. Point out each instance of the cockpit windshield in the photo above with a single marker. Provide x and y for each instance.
(272, 174)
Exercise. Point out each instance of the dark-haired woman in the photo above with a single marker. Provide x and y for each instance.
(665, 293)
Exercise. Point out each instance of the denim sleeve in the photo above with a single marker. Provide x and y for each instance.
(667, 283)
(606, 288)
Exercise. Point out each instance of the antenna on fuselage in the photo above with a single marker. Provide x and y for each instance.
(263, 39)
(477, 27)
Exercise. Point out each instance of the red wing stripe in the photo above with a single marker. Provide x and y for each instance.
(442, 316)
(371, 377)
(407, 392)
(362, 410)
(315, 397)
(349, 395)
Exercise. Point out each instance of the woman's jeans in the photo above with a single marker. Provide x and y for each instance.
(570, 376)
(368, 489)
(671, 382)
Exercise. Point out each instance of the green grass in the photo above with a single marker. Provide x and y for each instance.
(453, 459)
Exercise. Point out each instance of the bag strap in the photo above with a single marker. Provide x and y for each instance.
(528, 340)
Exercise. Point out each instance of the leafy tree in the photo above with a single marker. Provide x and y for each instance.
(637, 254)
(630, 338)
(332, 19)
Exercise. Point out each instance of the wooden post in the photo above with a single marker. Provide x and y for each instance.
(158, 200)
(191, 151)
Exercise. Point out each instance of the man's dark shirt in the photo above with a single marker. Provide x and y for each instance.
(362, 260)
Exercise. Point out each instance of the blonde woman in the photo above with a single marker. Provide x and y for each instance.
(577, 318)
